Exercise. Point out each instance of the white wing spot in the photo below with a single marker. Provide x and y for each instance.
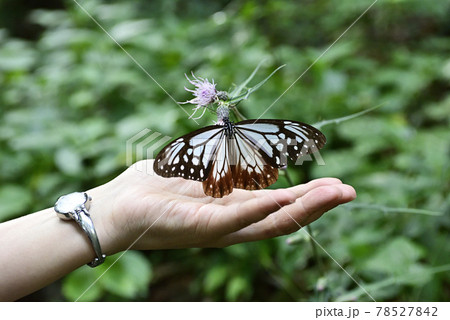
(197, 152)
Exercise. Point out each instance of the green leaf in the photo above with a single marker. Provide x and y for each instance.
(239, 250)
(419, 275)
(68, 161)
(15, 55)
(14, 199)
(237, 288)
(395, 257)
(215, 278)
(79, 285)
(127, 275)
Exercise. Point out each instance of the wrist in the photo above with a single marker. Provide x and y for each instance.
(102, 212)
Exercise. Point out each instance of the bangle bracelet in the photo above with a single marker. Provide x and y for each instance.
(74, 206)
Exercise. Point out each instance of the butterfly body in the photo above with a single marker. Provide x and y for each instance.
(229, 128)
(244, 155)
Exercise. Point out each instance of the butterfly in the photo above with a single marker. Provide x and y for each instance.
(244, 155)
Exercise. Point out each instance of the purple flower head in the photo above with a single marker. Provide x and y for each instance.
(205, 93)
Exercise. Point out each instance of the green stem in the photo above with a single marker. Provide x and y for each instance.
(310, 232)
(238, 115)
(391, 209)
(315, 252)
(236, 97)
(321, 124)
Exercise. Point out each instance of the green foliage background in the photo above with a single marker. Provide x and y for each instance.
(70, 98)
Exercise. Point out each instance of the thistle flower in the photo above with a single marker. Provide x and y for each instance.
(205, 93)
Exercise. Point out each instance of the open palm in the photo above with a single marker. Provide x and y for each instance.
(151, 212)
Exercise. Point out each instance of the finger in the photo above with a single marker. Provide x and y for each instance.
(299, 190)
(348, 193)
(322, 199)
(292, 217)
(305, 210)
(234, 217)
(302, 189)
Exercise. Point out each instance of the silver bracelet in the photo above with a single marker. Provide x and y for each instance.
(74, 206)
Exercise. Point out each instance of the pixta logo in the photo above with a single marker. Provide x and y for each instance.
(143, 145)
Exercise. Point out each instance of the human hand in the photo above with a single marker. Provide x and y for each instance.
(142, 210)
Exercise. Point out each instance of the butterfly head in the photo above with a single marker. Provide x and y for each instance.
(223, 119)
(223, 115)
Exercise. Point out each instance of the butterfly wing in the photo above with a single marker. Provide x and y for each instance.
(277, 140)
(190, 156)
(250, 169)
(248, 159)
(219, 182)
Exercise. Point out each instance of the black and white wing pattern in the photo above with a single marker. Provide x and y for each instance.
(190, 156)
(281, 139)
(245, 155)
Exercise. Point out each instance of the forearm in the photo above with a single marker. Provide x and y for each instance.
(144, 211)
(38, 249)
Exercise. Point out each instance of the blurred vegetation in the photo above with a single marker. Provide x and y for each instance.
(70, 98)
